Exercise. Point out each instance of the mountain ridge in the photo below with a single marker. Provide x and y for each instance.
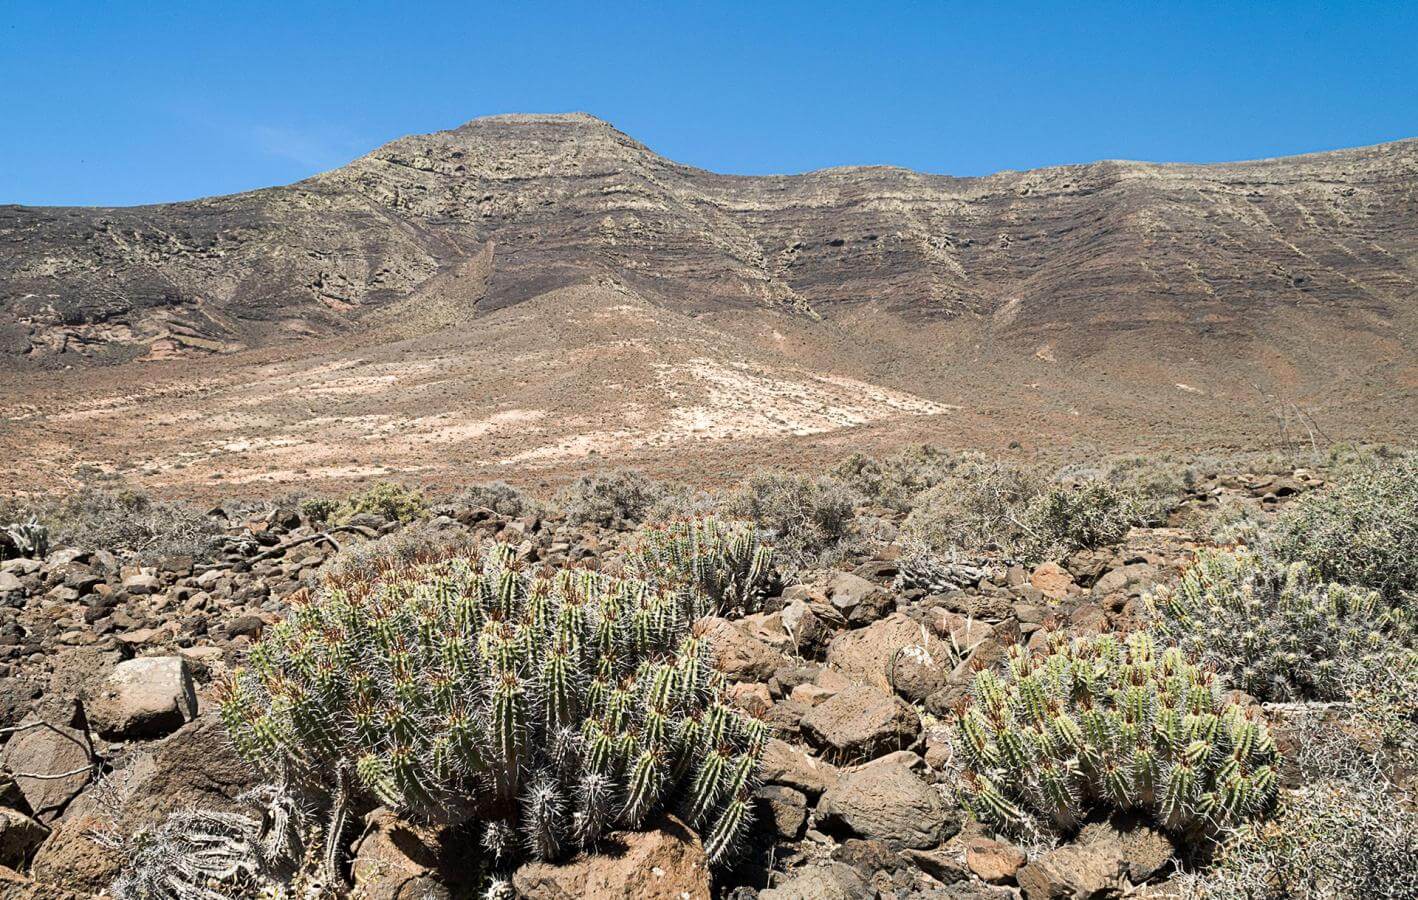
(568, 198)
(531, 292)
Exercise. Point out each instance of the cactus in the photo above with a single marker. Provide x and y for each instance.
(549, 708)
(1103, 723)
(1273, 632)
(203, 854)
(934, 573)
(717, 566)
(28, 539)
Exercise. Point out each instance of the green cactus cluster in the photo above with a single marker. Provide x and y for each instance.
(1275, 633)
(1104, 723)
(550, 708)
(717, 565)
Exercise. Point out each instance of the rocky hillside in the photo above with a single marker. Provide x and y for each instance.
(117, 771)
(511, 207)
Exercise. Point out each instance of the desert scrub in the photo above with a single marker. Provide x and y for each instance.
(547, 709)
(1097, 724)
(1154, 485)
(498, 496)
(614, 499)
(418, 542)
(1275, 633)
(385, 499)
(1346, 833)
(720, 566)
(1065, 518)
(982, 507)
(118, 519)
(896, 481)
(1362, 530)
(809, 520)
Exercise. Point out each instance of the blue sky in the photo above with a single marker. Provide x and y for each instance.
(133, 102)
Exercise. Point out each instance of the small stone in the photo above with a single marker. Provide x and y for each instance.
(785, 764)
(835, 881)
(1071, 873)
(738, 654)
(1053, 580)
(782, 810)
(19, 836)
(47, 750)
(994, 861)
(666, 861)
(139, 583)
(395, 860)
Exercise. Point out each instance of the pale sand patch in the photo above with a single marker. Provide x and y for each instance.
(711, 401)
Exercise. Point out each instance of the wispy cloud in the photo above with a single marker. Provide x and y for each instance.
(307, 148)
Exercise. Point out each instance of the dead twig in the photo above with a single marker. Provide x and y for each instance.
(326, 535)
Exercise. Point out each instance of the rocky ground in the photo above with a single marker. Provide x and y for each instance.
(107, 669)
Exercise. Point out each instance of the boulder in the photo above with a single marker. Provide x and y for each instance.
(664, 862)
(47, 749)
(395, 860)
(938, 864)
(994, 861)
(808, 632)
(872, 654)
(1141, 849)
(859, 601)
(886, 801)
(861, 722)
(782, 811)
(194, 767)
(738, 654)
(142, 698)
(1053, 580)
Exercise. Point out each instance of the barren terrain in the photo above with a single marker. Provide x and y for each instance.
(528, 295)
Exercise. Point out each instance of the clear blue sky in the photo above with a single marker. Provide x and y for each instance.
(129, 102)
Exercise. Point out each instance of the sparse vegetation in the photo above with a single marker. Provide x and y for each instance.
(982, 507)
(103, 515)
(896, 481)
(614, 499)
(1065, 518)
(1275, 633)
(1362, 530)
(498, 496)
(808, 520)
(1346, 833)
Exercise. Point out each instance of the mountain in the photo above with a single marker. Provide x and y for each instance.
(1200, 302)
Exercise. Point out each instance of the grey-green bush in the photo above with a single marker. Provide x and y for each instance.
(1274, 632)
(808, 520)
(1361, 530)
(1065, 518)
(983, 507)
(100, 517)
(498, 496)
(614, 499)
